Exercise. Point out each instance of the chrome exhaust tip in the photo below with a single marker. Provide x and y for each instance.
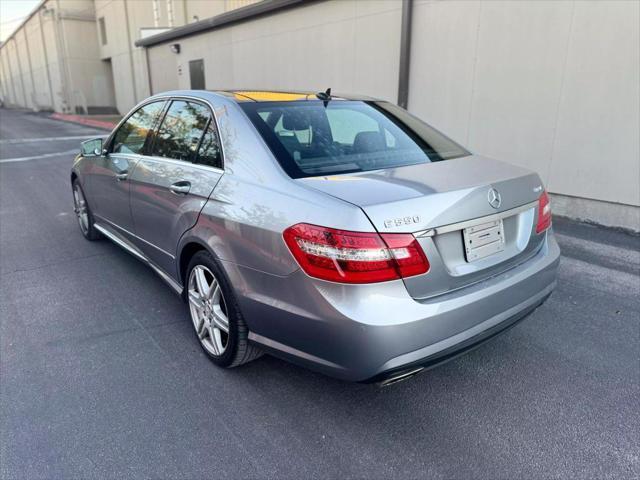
(399, 377)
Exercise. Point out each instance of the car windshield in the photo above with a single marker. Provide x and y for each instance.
(316, 138)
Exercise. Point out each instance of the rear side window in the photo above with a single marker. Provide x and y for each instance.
(312, 138)
(210, 152)
(132, 135)
(181, 130)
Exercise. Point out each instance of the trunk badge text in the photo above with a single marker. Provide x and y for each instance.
(399, 222)
(494, 198)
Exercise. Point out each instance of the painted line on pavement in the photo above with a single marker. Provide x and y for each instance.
(46, 139)
(38, 157)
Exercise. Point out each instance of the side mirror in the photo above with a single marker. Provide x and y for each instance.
(91, 148)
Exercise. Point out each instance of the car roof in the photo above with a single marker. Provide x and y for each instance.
(248, 95)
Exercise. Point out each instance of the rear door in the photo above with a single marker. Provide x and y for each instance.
(108, 182)
(170, 186)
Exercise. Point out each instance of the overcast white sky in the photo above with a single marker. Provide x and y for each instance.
(12, 12)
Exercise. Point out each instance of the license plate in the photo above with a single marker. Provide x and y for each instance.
(483, 240)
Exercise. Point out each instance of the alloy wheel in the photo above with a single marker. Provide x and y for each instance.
(208, 310)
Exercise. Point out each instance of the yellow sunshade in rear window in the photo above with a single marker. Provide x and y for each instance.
(269, 96)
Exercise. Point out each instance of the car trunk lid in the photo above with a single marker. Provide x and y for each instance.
(437, 202)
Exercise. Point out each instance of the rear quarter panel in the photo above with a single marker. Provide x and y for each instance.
(243, 222)
(255, 201)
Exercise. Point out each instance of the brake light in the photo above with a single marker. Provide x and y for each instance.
(544, 213)
(355, 257)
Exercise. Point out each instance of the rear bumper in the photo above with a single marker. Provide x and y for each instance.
(371, 332)
(443, 354)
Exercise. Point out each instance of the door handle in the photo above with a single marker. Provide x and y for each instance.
(121, 176)
(180, 188)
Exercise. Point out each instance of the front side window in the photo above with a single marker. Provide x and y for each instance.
(179, 135)
(313, 138)
(132, 135)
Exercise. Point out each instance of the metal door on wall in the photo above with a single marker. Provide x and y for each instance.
(196, 74)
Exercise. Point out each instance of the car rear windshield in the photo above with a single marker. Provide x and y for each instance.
(316, 138)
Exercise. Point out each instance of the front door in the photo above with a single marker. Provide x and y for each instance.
(109, 182)
(196, 74)
(171, 185)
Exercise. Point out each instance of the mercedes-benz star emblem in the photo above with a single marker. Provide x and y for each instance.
(494, 198)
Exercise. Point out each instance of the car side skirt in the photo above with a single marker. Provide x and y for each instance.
(129, 247)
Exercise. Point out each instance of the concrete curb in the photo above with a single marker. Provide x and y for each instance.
(597, 212)
(90, 122)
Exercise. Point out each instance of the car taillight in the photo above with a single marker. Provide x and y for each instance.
(544, 213)
(355, 257)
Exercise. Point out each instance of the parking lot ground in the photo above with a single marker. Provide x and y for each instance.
(101, 375)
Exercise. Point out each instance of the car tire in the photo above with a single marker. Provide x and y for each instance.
(207, 307)
(83, 213)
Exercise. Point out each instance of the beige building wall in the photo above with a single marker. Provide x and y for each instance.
(348, 45)
(124, 20)
(4, 84)
(10, 65)
(48, 27)
(163, 69)
(18, 71)
(116, 49)
(553, 86)
(57, 59)
(201, 9)
(52, 61)
(186, 10)
(22, 60)
(42, 97)
(87, 76)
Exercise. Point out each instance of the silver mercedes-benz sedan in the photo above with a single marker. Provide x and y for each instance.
(338, 232)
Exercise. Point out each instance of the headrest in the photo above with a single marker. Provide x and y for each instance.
(296, 119)
(368, 142)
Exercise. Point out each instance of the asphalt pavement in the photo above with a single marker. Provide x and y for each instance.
(101, 375)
